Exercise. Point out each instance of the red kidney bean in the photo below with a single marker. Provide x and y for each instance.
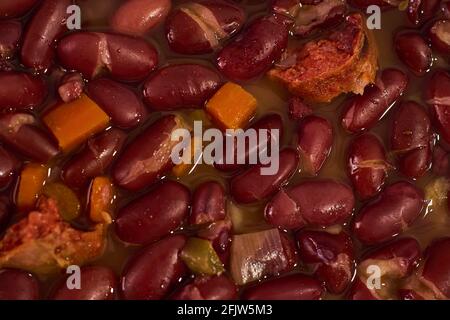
(137, 17)
(5, 212)
(97, 283)
(155, 270)
(420, 11)
(9, 165)
(440, 36)
(293, 287)
(219, 234)
(330, 255)
(94, 159)
(441, 160)
(362, 112)
(319, 202)
(436, 269)
(15, 8)
(411, 139)
(21, 91)
(367, 165)
(390, 214)
(18, 285)
(208, 204)
(413, 51)
(125, 58)
(181, 86)
(298, 109)
(252, 186)
(252, 53)
(148, 156)
(437, 95)
(123, 105)
(46, 25)
(207, 288)
(10, 34)
(154, 215)
(20, 132)
(315, 140)
(446, 9)
(198, 27)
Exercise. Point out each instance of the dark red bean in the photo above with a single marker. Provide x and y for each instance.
(96, 283)
(446, 9)
(253, 52)
(293, 287)
(441, 160)
(9, 165)
(46, 25)
(208, 204)
(140, 16)
(125, 58)
(5, 211)
(436, 269)
(420, 11)
(181, 86)
(298, 109)
(315, 140)
(71, 87)
(252, 185)
(155, 270)
(154, 215)
(411, 139)
(330, 255)
(15, 8)
(21, 91)
(362, 112)
(123, 105)
(94, 159)
(367, 165)
(10, 34)
(207, 288)
(18, 285)
(390, 214)
(148, 156)
(219, 233)
(20, 132)
(440, 36)
(198, 27)
(413, 51)
(319, 202)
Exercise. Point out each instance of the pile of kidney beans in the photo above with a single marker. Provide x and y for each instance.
(337, 228)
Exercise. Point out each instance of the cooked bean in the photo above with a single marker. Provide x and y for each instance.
(10, 33)
(15, 8)
(207, 288)
(9, 165)
(71, 87)
(420, 11)
(154, 215)
(437, 265)
(446, 9)
(18, 285)
(208, 204)
(440, 36)
(298, 109)
(414, 52)
(441, 160)
(219, 233)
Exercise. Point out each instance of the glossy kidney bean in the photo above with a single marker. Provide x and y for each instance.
(252, 185)
(147, 157)
(21, 91)
(20, 132)
(413, 51)
(315, 140)
(319, 202)
(390, 214)
(441, 160)
(181, 86)
(144, 278)
(94, 159)
(5, 211)
(10, 34)
(207, 288)
(330, 256)
(71, 87)
(198, 27)
(437, 95)
(440, 36)
(123, 105)
(253, 52)
(18, 285)
(436, 269)
(367, 165)
(219, 233)
(298, 109)
(9, 165)
(46, 25)
(125, 58)
(137, 17)
(362, 112)
(15, 8)
(411, 139)
(420, 11)
(292, 287)
(208, 203)
(96, 283)
(154, 215)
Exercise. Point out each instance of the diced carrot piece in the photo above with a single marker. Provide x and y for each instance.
(72, 123)
(32, 180)
(101, 199)
(232, 107)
